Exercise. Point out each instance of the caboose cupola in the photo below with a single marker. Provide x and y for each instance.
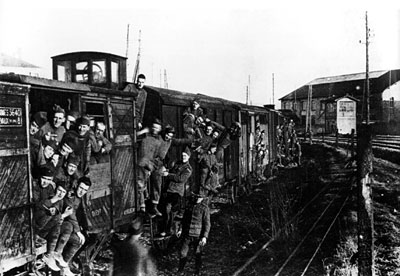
(93, 68)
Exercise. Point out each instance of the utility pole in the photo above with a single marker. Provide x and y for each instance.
(165, 79)
(249, 91)
(366, 262)
(127, 42)
(137, 65)
(247, 94)
(273, 88)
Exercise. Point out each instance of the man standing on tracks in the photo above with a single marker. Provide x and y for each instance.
(72, 226)
(196, 226)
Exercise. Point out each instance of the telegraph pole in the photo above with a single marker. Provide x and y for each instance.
(366, 262)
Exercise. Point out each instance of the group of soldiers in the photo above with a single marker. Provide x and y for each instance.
(183, 206)
(65, 143)
(61, 150)
(288, 145)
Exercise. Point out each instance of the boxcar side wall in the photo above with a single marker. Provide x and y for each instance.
(16, 237)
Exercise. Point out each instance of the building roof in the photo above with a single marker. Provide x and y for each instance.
(9, 61)
(351, 84)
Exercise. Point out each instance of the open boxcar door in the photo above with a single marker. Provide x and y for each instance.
(123, 160)
(16, 239)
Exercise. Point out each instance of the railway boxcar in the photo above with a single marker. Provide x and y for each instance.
(95, 84)
(111, 201)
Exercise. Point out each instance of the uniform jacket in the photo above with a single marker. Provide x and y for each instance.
(78, 218)
(148, 150)
(178, 177)
(47, 127)
(196, 220)
(70, 181)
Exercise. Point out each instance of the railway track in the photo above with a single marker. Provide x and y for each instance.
(382, 142)
(317, 218)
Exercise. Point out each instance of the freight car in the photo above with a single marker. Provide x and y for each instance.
(94, 83)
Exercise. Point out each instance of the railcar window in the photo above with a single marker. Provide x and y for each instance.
(64, 71)
(114, 72)
(99, 71)
(81, 71)
(61, 73)
(96, 111)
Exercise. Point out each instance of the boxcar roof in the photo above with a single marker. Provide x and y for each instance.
(174, 97)
(86, 55)
(37, 82)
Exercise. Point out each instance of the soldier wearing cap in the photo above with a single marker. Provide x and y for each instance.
(101, 146)
(196, 226)
(44, 186)
(146, 160)
(54, 130)
(227, 135)
(70, 120)
(176, 180)
(208, 172)
(48, 218)
(37, 121)
(42, 155)
(85, 138)
(73, 226)
(167, 140)
(68, 174)
(140, 98)
(193, 119)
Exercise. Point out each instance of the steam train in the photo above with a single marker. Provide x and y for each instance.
(95, 84)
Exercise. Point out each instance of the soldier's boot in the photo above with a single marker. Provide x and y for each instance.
(182, 263)
(198, 264)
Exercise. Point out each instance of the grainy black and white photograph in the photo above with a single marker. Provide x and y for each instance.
(214, 138)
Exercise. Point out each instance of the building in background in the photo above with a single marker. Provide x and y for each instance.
(315, 102)
(10, 64)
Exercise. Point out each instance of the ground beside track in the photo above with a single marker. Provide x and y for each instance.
(240, 230)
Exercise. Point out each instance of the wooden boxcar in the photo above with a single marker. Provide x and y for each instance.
(111, 200)
(93, 83)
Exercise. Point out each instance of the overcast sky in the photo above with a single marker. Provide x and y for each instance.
(214, 46)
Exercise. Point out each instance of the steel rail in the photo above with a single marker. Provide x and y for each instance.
(326, 234)
(252, 258)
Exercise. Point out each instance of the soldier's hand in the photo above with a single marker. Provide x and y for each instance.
(52, 210)
(203, 241)
(81, 237)
(68, 211)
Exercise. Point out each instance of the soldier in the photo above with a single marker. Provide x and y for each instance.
(140, 95)
(208, 172)
(54, 130)
(146, 160)
(196, 226)
(68, 174)
(226, 137)
(70, 120)
(84, 139)
(72, 226)
(43, 155)
(102, 147)
(176, 179)
(37, 121)
(167, 139)
(192, 119)
(48, 218)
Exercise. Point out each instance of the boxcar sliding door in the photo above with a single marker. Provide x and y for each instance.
(122, 160)
(99, 208)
